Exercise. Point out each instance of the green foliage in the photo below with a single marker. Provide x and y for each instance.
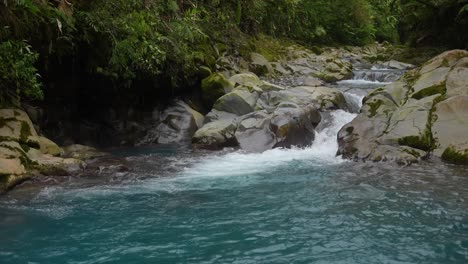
(142, 41)
(434, 22)
(18, 76)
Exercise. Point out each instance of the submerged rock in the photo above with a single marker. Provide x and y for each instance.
(424, 113)
(81, 152)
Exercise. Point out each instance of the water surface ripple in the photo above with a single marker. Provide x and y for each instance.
(280, 206)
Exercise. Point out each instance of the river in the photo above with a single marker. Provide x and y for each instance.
(280, 206)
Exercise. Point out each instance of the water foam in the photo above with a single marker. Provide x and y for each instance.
(322, 152)
(245, 166)
(361, 82)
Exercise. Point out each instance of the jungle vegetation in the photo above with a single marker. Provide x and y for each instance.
(130, 47)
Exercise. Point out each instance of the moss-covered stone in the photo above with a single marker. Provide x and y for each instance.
(204, 71)
(374, 107)
(325, 77)
(438, 89)
(213, 87)
(452, 155)
(317, 50)
(25, 131)
(423, 142)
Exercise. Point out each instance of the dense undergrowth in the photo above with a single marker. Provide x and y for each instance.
(141, 51)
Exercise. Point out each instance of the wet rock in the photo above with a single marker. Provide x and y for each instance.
(457, 81)
(254, 134)
(450, 125)
(423, 114)
(398, 65)
(431, 83)
(456, 154)
(81, 152)
(285, 127)
(23, 151)
(216, 135)
(177, 124)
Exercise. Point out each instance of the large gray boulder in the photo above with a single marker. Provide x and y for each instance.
(257, 115)
(450, 125)
(216, 135)
(238, 102)
(424, 114)
(285, 127)
(176, 124)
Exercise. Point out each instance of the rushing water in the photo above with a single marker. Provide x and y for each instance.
(280, 206)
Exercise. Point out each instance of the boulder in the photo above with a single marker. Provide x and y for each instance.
(450, 126)
(294, 126)
(425, 113)
(11, 166)
(47, 146)
(216, 135)
(176, 124)
(285, 127)
(215, 115)
(245, 79)
(254, 134)
(81, 152)
(456, 154)
(237, 102)
(431, 83)
(398, 65)
(213, 87)
(457, 83)
(24, 153)
(446, 59)
(260, 65)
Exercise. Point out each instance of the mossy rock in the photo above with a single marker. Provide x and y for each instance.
(374, 107)
(213, 87)
(456, 155)
(433, 90)
(317, 50)
(423, 142)
(204, 71)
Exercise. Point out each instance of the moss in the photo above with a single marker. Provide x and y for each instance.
(325, 77)
(437, 89)
(25, 131)
(457, 157)
(423, 142)
(316, 50)
(373, 93)
(25, 147)
(412, 152)
(271, 48)
(411, 77)
(4, 182)
(376, 58)
(3, 122)
(373, 107)
(213, 87)
(204, 71)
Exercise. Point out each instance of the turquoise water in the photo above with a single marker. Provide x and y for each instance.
(281, 206)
